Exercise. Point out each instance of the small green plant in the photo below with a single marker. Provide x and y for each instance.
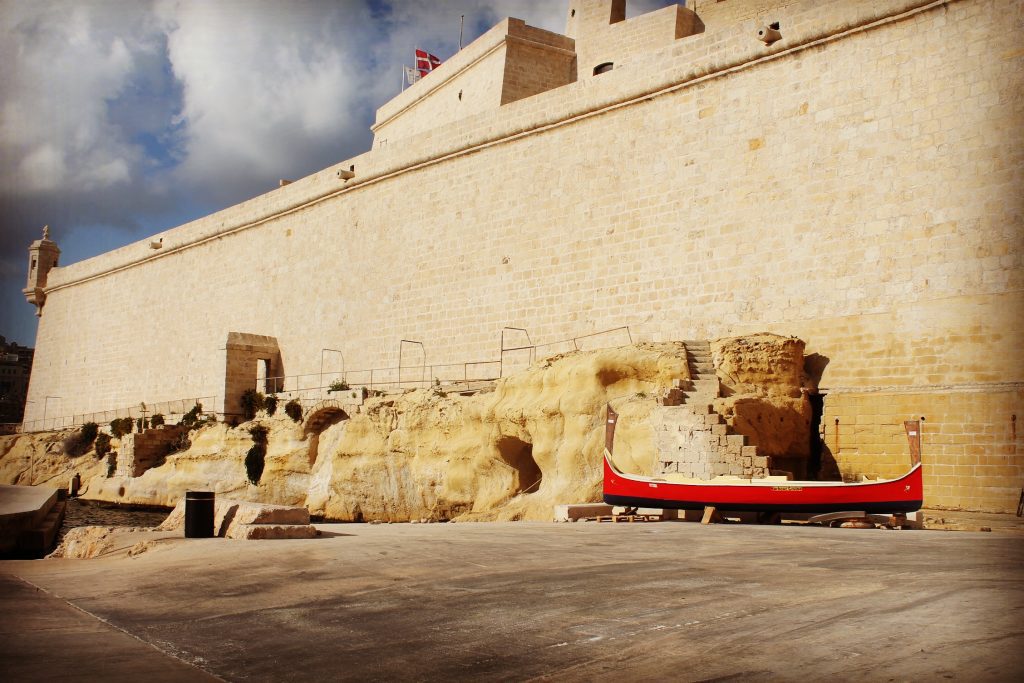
(189, 419)
(270, 405)
(157, 420)
(293, 409)
(252, 402)
(120, 426)
(179, 443)
(79, 442)
(255, 458)
(338, 385)
(102, 444)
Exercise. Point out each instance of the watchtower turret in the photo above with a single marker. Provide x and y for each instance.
(42, 256)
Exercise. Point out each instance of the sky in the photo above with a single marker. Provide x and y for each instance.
(121, 118)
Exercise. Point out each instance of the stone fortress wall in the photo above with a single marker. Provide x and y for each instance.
(855, 184)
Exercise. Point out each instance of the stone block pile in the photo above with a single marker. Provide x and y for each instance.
(692, 439)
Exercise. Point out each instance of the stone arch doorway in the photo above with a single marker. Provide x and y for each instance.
(518, 455)
(321, 416)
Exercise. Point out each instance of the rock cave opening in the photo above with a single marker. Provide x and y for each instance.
(518, 455)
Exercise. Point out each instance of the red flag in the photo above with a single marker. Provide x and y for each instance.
(426, 62)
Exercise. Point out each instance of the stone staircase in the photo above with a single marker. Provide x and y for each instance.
(695, 441)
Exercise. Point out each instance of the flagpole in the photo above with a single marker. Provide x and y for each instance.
(462, 23)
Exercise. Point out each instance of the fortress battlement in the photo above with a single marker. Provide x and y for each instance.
(421, 116)
(855, 183)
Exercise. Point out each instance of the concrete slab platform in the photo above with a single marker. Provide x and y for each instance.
(43, 638)
(22, 500)
(568, 602)
(30, 517)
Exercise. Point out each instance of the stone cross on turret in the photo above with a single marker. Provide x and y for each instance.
(42, 256)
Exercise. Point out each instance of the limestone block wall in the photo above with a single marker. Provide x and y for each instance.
(141, 450)
(855, 185)
(972, 451)
(718, 13)
(533, 66)
(249, 357)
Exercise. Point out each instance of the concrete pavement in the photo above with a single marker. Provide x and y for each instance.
(659, 601)
(44, 638)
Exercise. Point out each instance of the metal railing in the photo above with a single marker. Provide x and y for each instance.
(314, 387)
(381, 379)
(169, 409)
(565, 345)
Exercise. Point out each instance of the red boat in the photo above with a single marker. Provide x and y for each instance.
(903, 494)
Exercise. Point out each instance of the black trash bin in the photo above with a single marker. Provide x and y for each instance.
(199, 514)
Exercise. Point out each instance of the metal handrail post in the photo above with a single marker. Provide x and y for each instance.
(501, 353)
(322, 351)
(423, 349)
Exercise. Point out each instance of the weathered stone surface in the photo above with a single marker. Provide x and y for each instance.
(86, 542)
(38, 460)
(261, 532)
(228, 513)
(763, 375)
(262, 513)
(535, 441)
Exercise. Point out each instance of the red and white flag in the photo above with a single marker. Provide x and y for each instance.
(426, 62)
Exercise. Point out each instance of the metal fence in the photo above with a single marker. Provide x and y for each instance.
(169, 409)
(314, 387)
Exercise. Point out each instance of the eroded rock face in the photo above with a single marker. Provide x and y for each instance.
(39, 460)
(762, 377)
(511, 454)
(534, 442)
(87, 542)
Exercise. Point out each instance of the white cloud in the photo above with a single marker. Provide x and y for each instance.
(270, 90)
(134, 115)
(54, 130)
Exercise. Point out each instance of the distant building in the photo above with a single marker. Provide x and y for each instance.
(15, 367)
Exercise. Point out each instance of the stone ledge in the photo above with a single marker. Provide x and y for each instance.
(266, 532)
(231, 513)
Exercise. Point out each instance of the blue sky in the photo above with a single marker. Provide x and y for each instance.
(119, 119)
